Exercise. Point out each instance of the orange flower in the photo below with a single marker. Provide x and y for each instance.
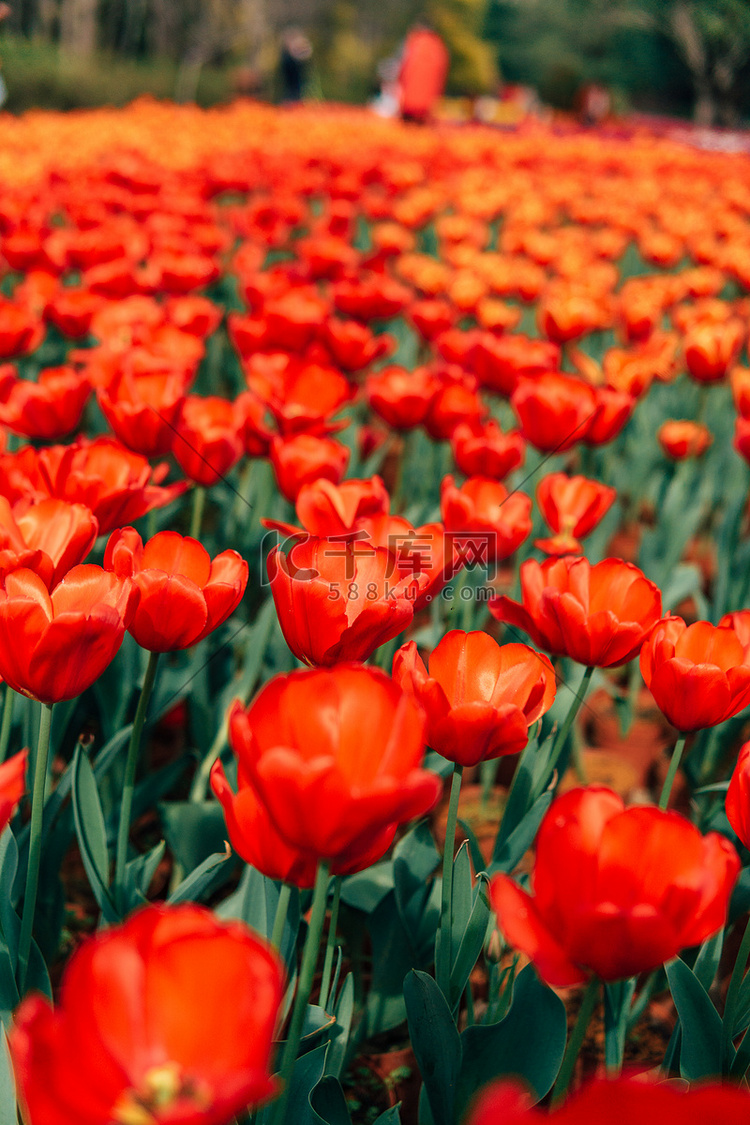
(184, 594)
(54, 646)
(598, 615)
(334, 757)
(479, 697)
(696, 673)
(143, 1020)
(681, 439)
(46, 536)
(484, 512)
(572, 507)
(711, 348)
(45, 410)
(338, 599)
(616, 891)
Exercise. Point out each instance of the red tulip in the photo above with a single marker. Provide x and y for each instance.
(354, 346)
(572, 507)
(53, 646)
(554, 411)
(184, 594)
(400, 397)
(483, 450)
(684, 439)
(209, 438)
(484, 514)
(334, 757)
(115, 484)
(326, 509)
(339, 600)
(712, 347)
(624, 1101)
(509, 359)
(738, 796)
(598, 615)
(256, 839)
(304, 458)
(12, 786)
(696, 673)
(479, 697)
(168, 1018)
(613, 412)
(49, 537)
(45, 410)
(616, 891)
(144, 410)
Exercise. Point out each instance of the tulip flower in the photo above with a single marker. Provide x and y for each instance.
(712, 347)
(12, 786)
(353, 346)
(628, 1101)
(455, 403)
(254, 836)
(339, 600)
(696, 673)
(554, 411)
(325, 509)
(49, 537)
(681, 439)
(208, 440)
(479, 697)
(572, 507)
(143, 410)
(613, 411)
(506, 360)
(167, 1018)
(334, 757)
(598, 615)
(184, 594)
(400, 397)
(738, 796)
(54, 646)
(484, 513)
(303, 458)
(616, 891)
(483, 450)
(116, 485)
(44, 410)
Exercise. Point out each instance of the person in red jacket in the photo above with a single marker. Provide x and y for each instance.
(424, 69)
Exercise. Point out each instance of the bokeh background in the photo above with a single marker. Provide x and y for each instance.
(689, 58)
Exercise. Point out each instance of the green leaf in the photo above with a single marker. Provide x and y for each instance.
(254, 902)
(138, 875)
(193, 830)
(509, 852)
(91, 834)
(470, 942)
(702, 1049)
(707, 962)
(367, 889)
(200, 881)
(308, 1071)
(529, 1043)
(343, 1011)
(328, 1103)
(436, 1043)
(390, 1117)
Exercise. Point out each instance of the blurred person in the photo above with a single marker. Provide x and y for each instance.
(424, 69)
(386, 103)
(296, 52)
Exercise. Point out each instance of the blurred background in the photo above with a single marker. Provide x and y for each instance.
(689, 58)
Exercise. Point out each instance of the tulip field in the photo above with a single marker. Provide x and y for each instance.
(374, 622)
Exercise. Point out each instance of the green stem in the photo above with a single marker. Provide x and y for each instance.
(444, 958)
(325, 984)
(10, 699)
(279, 918)
(575, 705)
(674, 765)
(733, 992)
(131, 765)
(196, 515)
(577, 1035)
(304, 988)
(35, 844)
